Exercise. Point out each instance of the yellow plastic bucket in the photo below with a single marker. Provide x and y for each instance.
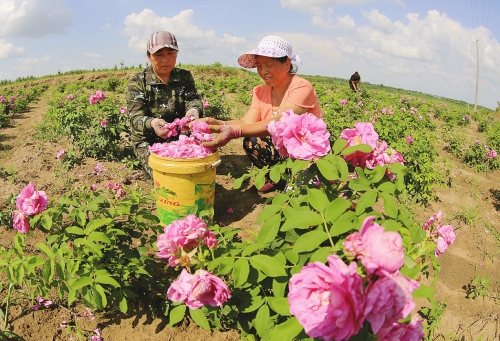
(184, 186)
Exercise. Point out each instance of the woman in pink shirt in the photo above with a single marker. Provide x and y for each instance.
(283, 90)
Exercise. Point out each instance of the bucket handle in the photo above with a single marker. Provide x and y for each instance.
(215, 164)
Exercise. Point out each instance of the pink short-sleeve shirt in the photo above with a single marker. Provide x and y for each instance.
(300, 92)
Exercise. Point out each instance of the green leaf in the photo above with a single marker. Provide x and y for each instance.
(268, 265)
(241, 269)
(336, 208)
(387, 187)
(377, 174)
(96, 223)
(45, 250)
(269, 230)
(100, 296)
(200, 319)
(338, 146)
(292, 256)
(425, 291)
(177, 315)
(328, 170)
(286, 331)
(310, 241)
(250, 249)
(364, 148)
(280, 306)
(299, 165)
(321, 254)
(123, 305)
(238, 182)
(317, 199)
(390, 207)
(366, 200)
(46, 221)
(275, 174)
(267, 212)
(262, 319)
(107, 280)
(75, 230)
(302, 219)
(81, 282)
(99, 237)
(279, 286)
(341, 226)
(359, 184)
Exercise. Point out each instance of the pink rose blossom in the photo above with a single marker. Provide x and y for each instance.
(362, 133)
(30, 201)
(93, 187)
(123, 110)
(382, 251)
(70, 96)
(491, 154)
(389, 299)
(328, 300)
(20, 221)
(409, 139)
(198, 290)
(302, 137)
(396, 331)
(181, 237)
(104, 123)
(343, 102)
(60, 154)
(98, 169)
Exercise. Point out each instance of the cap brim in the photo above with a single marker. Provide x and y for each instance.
(155, 49)
(247, 60)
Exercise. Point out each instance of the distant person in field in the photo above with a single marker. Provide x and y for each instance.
(355, 81)
(158, 95)
(283, 90)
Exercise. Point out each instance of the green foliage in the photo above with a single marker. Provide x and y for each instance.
(97, 250)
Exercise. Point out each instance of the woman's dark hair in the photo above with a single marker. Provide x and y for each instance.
(293, 67)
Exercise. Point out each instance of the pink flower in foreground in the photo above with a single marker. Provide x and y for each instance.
(206, 105)
(123, 110)
(97, 336)
(70, 96)
(343, 102)
(30, 201)
(20, 221)
(302, 137)
(60, 154)
(98, 169)
(409, 139)
(382, 251)
(389, 299)
(93, 187)
(396, 331)
(446, 237)
(182, 236)
(104, 123)
(198, 290)
(328, 300)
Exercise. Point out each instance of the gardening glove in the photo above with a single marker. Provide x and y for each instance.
(193, 112)
(157, 124)
(226, 134)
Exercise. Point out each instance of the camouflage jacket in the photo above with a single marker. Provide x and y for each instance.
(148, 97)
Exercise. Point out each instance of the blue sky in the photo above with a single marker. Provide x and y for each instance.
(424, 45)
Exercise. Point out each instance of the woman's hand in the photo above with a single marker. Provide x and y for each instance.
(226, 134)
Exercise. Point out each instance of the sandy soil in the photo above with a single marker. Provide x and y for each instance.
(470, 204)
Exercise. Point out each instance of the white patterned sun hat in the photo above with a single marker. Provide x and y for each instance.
(270, 46)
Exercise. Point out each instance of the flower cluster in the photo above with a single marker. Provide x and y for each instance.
(186, 146)
(442, 235)
(28, 203)
(97, 97)
(180, 239)
(198, 290)
(332, 301)
(116, 188)
(364, 133)
(302, 137)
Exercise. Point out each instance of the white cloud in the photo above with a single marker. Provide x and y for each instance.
(33, 18)
(196, 43)
(8, 50)
(91, 55)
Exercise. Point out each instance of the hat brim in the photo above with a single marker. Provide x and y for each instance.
(247, 60)
(155, 49)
